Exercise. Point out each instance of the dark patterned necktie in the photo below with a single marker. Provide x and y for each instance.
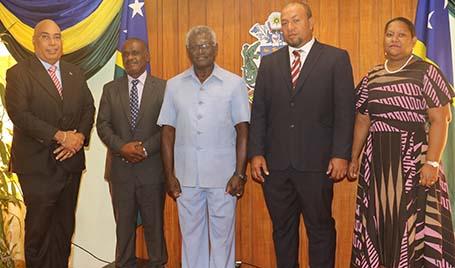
(134, 103)
(295, 68)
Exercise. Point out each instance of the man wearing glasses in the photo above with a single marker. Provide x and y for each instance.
(52, 110)
(205, 116)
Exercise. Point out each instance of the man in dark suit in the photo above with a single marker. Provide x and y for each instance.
(52, 110)
(300, 136)
(128, 111)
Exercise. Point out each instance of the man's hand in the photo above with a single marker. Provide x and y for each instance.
(133, 152)
(353, 169)
(71, 140)
(337, 168)
(258, 168)
(173, 187)
(141, 147)
(62, 153)
(74, 141)
(235, 186)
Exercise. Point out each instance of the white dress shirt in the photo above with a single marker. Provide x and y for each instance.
(304, 50)
(140, 86)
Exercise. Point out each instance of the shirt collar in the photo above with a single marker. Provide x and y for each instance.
(305, 48)
(48, 65)
(141, 78)
(217, 73)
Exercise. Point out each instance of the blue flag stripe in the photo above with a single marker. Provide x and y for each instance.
(133, 24)
(432, 29)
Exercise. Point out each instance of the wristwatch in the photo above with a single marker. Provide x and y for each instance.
(241, 176)
(432, 163)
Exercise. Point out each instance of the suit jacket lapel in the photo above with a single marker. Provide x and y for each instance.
(69, 94)
(125, 98)
(310, 62)
(147, 95)
(40, 74)
(285, 67)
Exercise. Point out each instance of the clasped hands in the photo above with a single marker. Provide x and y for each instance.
(70, 143)
(133, 152)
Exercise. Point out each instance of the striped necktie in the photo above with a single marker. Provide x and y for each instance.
(134, 103)
(53, 74)
(295, 68)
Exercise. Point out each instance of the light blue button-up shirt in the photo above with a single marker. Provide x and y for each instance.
(204, 117)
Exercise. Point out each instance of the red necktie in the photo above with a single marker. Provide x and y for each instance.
(52, 72)
(295, 68)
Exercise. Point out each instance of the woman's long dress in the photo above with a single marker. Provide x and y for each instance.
(398, 222)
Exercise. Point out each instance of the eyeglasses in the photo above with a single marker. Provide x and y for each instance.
(203, 47)
(48, 38)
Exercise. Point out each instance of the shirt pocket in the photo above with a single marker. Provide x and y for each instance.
(219, 122)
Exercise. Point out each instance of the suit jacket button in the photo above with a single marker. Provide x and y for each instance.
(292, 104)
(292, 126)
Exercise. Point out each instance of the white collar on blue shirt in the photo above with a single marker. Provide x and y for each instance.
(141, 78)
(48, 65)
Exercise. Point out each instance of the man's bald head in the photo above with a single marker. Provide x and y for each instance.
(47, 41)
(304, 4)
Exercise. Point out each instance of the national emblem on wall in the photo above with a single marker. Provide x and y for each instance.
(269, 39)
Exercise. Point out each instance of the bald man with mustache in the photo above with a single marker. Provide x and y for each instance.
(52, 110)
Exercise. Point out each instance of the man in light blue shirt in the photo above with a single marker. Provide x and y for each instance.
(205, 116)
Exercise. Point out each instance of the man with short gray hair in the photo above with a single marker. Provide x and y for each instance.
(204, 119)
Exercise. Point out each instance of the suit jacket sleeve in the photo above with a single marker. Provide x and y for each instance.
(256, 138)
(152, 144)
(344, 108)
(104, 123)
(18, 108)
(87, 114)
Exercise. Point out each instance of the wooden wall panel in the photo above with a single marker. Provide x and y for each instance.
(183, 19)
(346, 192)
(354, 25)
(401, 8)
(198, 11)
(370, 42)
(170, 49)
(154, 17)
(349, 32)
(328, 19)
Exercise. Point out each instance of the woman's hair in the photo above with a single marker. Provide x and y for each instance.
(408, 23)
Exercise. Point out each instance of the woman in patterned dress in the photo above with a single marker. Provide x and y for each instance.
(403, 215)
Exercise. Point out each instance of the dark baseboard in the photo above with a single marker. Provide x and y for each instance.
(140, 264)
